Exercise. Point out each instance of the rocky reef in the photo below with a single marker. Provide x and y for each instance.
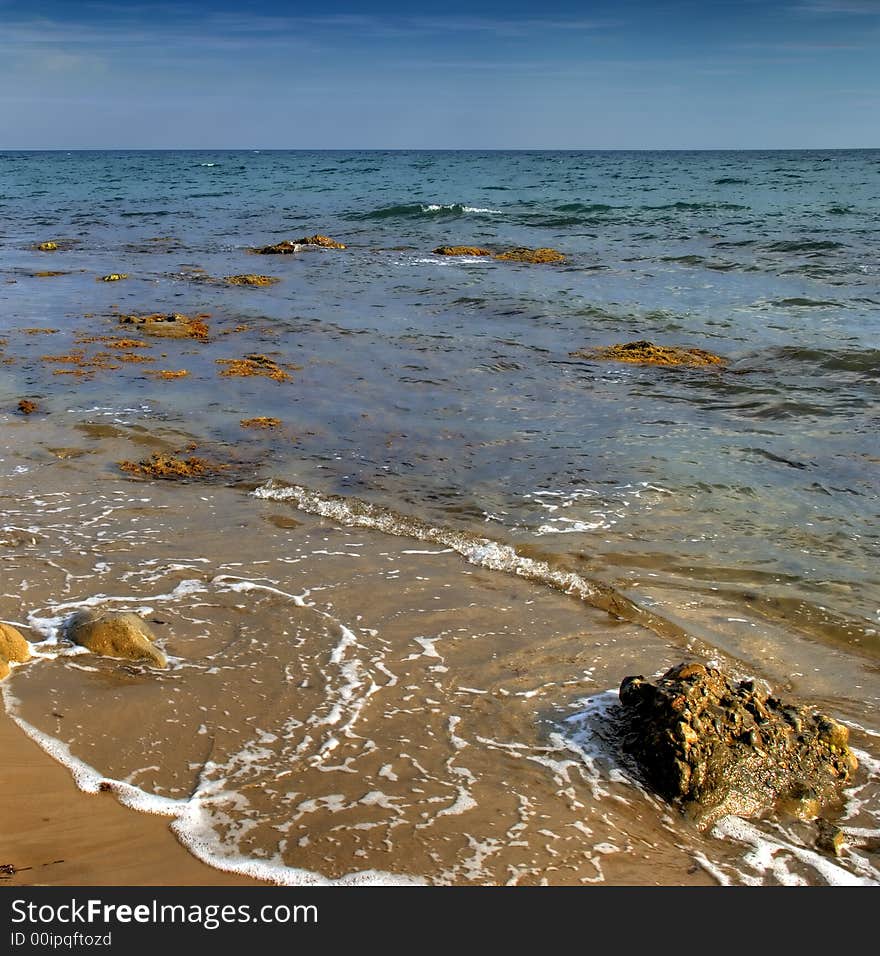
(714, 747)
(643, 352)
(112, 634)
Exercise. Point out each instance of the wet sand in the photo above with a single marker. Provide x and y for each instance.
(344, 703)
(56, 835)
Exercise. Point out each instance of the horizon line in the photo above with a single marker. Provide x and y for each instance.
(436, 149)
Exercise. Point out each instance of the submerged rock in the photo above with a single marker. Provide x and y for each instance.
(461, 251)
(643, 352)
(13, 647)
(523, 254)
(714, 747)
(113, 634)
(27, 406)
(171, 326)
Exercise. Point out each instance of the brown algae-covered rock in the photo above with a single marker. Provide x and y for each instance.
(170, 467)
(317, 240)
(643, 352)
(523, 254)
(172, 326)
(114, 634)
(288, 246)
(13, 647)
(27, 406)
(251, 279)
(461, 251)
(714, 747)
(263, 421)
(254, 364)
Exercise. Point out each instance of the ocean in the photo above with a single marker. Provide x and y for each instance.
(397, 615)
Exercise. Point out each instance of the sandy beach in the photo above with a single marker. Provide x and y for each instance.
(56, 835)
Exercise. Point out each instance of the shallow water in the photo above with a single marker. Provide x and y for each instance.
(318, 721)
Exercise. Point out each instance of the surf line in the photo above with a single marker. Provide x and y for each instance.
(479, 551)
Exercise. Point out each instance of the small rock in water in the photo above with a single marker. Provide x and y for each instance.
(715, 747)
(113, 634)
(27, 407)
(13, 648)
(114, 277)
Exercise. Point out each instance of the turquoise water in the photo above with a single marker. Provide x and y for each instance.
(445, 388)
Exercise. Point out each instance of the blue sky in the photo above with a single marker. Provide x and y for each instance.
(622, 74)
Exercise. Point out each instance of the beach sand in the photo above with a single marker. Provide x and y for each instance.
(56, 835)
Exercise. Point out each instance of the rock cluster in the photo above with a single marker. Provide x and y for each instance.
(714, 747)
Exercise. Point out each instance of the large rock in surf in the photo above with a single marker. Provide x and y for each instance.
(114, 634)
(714, 747)
(13, 647)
